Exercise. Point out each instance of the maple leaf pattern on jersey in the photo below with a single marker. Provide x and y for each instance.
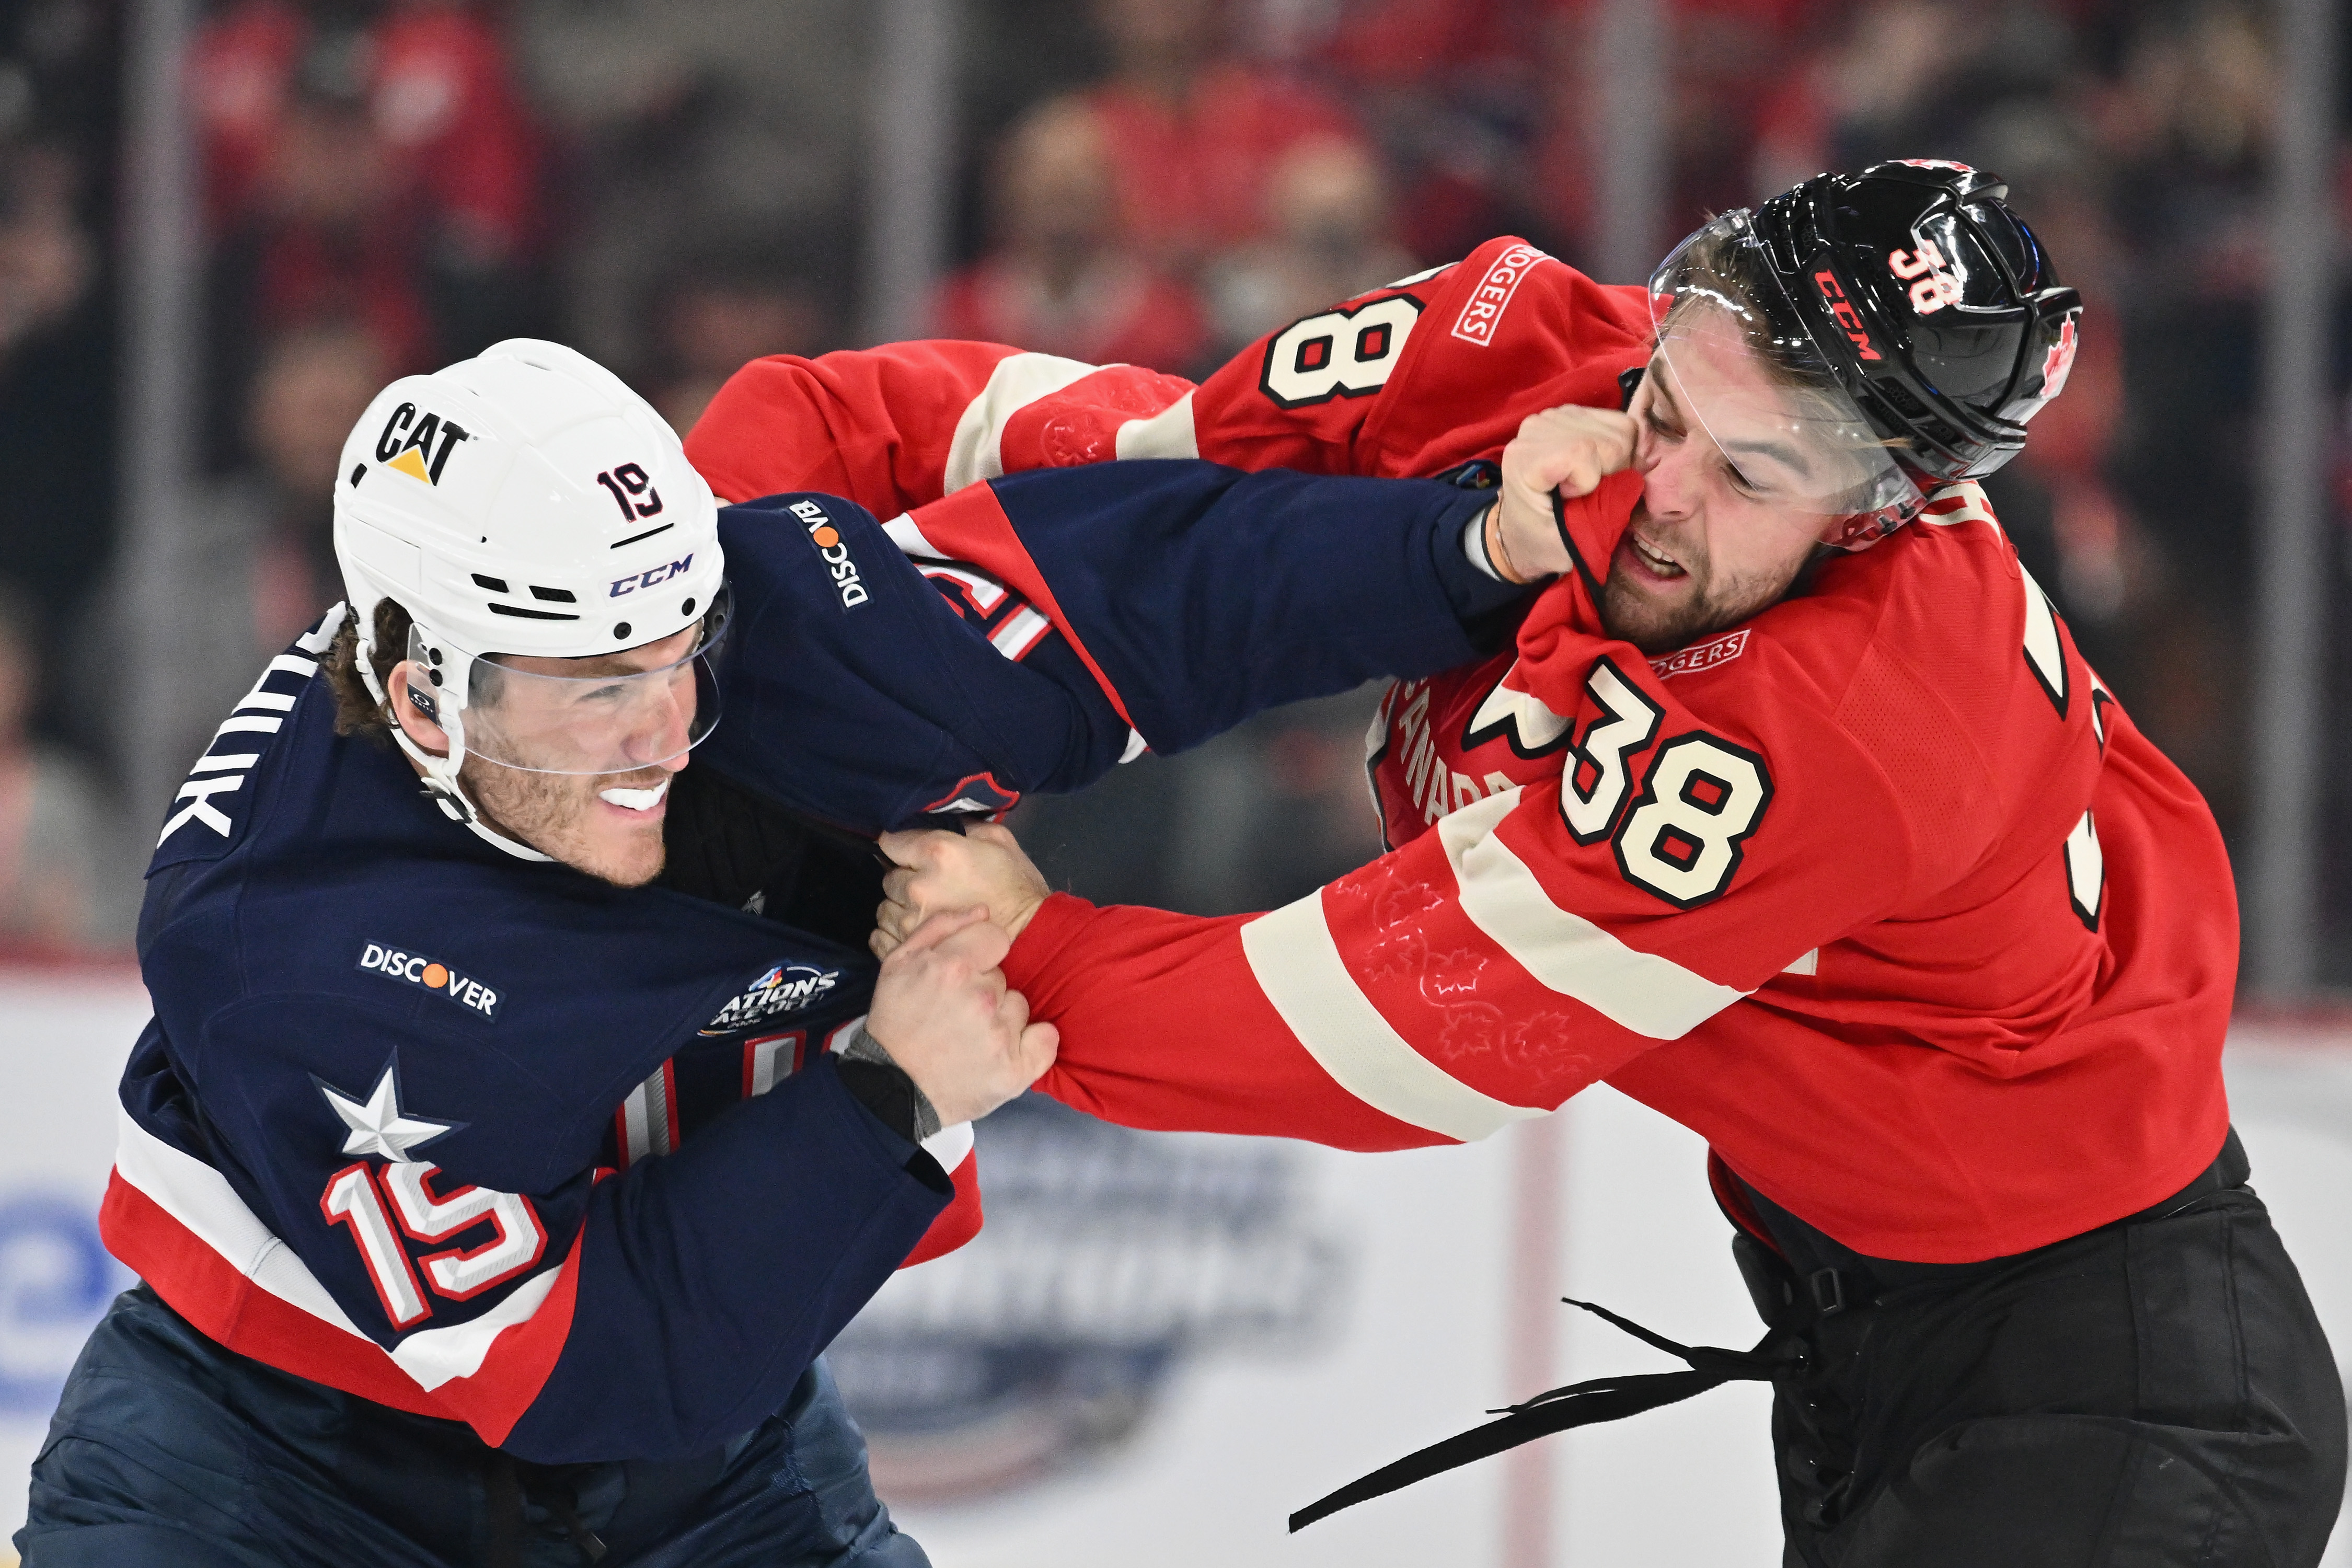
(1082, 425)
(1532, 1054)
(1451, 978)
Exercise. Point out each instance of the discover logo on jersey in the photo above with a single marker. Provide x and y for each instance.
(835, 551)
(431, 974)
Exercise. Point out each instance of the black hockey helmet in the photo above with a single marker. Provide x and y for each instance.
(1919, 316)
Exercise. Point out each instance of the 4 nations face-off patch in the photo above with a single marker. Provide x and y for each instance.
(785, 988)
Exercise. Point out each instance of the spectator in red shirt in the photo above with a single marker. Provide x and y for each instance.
(1443, 88)
(431, 80)
(370, 162)
(1329, 237)
(1193, 135)
(1062, 280)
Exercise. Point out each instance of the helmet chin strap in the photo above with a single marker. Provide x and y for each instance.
(441, 781)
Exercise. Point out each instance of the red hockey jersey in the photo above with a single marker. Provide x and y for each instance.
(1880, 891)
(1471, 350)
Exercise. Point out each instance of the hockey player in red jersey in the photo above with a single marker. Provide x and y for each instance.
(1841, 855)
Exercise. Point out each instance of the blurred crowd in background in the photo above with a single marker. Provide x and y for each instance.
(675, 186)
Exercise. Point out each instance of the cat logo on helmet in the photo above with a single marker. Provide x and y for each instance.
(419, 447)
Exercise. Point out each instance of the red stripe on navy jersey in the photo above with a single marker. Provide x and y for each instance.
(971, 525)
(958, 1222)
(242, 1315)
(233, 1310)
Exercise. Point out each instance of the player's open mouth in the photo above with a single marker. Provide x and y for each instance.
(635, 799)
(1659, 564)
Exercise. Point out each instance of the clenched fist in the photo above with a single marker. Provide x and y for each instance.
(1570, 449)
(981, 869)
(942, 1012)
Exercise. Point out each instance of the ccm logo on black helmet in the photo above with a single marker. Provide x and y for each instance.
(829, 544)
(1840, 308)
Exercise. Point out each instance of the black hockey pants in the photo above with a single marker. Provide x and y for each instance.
(2152, 1393)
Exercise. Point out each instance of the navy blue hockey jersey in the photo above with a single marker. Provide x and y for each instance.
(1132, 605)
(389, 1128)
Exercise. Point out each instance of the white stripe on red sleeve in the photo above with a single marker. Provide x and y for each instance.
(976, 453)
(1638, 991)
(1167, 434)
(908, 538)
(1297, 966)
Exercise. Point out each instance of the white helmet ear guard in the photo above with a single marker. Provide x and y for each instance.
(524, 502)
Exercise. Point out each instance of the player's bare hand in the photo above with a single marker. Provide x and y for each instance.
(1570, 449)
(942, 1011)
(983, 868)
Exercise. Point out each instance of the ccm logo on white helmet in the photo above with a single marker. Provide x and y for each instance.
(648, 578)
(835, 551)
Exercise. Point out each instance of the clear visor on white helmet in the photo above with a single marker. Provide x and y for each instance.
(1741, 362)
(618, 718)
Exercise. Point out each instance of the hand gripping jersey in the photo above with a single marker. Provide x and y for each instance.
(394, 1126)
(1880, 891)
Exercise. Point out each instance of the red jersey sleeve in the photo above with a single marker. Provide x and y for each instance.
(1428, 372)
(1408, 380)
(900, 426)
(1531, 943)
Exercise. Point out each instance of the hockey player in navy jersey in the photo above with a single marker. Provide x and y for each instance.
(521, 1116)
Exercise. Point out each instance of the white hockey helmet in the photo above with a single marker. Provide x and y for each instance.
(525, 502)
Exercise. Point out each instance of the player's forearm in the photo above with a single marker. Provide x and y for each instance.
(1206, 595)
(709, 1279)
(1164, 1028)
(873, 425)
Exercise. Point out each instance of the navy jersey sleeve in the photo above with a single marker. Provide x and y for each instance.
(1031, 633)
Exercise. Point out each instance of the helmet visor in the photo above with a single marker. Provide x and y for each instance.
(1748, 370)
(619, 716)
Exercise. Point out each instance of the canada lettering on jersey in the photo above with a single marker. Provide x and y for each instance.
(1418, 759)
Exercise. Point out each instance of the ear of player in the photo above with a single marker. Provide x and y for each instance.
(526, 502)
(1913, 322)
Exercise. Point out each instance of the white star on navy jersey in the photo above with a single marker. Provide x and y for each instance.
(377, 1125)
